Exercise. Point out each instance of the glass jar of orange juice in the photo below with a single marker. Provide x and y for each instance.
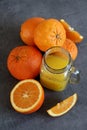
(57, 70)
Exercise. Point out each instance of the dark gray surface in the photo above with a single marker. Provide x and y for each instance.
(12, 14)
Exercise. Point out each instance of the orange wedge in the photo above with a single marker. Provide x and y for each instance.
(63, 107)
(27, 96)
(71, 33)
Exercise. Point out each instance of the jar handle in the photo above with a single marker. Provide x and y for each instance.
(75, 75)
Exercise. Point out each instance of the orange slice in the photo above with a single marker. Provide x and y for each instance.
(63, 107)
(27, 96)
(71, 33)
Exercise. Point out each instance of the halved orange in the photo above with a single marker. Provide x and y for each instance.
(27, 96)
(71, 33)
(63, 107)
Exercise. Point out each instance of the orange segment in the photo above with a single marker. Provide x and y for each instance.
(63, 107)
(27, 96)
(71, 33)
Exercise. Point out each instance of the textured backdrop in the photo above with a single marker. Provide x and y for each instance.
(12, 14)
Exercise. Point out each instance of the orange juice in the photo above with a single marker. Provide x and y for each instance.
(55, 80)
(57, 68)
(56, 62)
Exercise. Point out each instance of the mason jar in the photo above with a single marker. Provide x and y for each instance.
(57, 69)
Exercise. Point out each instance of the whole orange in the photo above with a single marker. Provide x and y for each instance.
(71, 47)
(24, 62)
(27, 29)
(49, 33)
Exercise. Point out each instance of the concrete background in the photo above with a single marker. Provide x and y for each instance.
(12, 14)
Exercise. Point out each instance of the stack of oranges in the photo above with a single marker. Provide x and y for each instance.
(45, 33)
(23, 63)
